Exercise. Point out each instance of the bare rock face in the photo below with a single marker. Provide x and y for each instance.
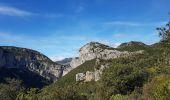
(85, 77)
(91, 51)
(89, 76)
(27, 59)
(94, 50)
(80, 77)
(92, 76)
(67, 68)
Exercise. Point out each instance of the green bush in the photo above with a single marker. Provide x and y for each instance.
(158, 88)
(11, 89)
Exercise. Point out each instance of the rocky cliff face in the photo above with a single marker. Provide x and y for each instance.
(27, 59)
(95, 50)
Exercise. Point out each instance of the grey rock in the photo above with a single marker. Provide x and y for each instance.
(90, 76)
(80, 77)
(65, 61)
(85, 77)
(95, 50)
(27, 59)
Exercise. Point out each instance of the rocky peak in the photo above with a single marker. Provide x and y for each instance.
(131, 43)
(94, 50)
(24, 52)
(94, 46)
(27, 59)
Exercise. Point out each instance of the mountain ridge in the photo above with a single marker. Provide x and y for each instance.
(27, 59)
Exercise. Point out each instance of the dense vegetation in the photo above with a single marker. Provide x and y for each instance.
(144, 76)
(69, 78)
(29, 79)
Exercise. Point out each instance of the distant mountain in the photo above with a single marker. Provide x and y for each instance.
(22, 63)
(133, 46)
(28, 61)
(131, 43)
(65, 61)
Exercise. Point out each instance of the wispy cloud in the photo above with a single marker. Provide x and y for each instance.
(57, 58)
(11, 11)
(6, 37)
(126, 23)
(53, 46)
(115, 45)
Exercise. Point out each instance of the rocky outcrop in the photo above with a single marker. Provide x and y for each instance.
(95, 50)
(27, 59)
(80, 77)
(73, 64)
(92, 76)
(89, 76)
(86, 77)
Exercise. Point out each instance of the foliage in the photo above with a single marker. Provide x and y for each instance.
(134, 48)
(28, 95)
(126, 73)
(158, 88)
(29, 79)
(10, 90)
(70, 77)
(119, 97)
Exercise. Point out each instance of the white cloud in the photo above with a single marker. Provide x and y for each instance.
(57, 58)
(122, 23)
(115, 45)
(6, 37)
(53, 46)
(11, 11)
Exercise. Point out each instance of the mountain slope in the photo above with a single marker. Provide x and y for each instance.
(96, 50)
(132, 46)
(28, 78)
(65, 61)
(29, 60)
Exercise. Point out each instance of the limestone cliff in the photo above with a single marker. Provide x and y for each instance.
(95, 50)
(27, 59)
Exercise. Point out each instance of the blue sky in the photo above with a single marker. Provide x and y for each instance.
(58, 28)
